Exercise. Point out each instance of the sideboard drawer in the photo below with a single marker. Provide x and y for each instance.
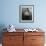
(37, 39)
(13, 33)
(33, 33)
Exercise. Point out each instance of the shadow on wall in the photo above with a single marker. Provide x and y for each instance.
(2, 26)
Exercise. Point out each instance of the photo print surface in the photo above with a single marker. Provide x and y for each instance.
(26, 14)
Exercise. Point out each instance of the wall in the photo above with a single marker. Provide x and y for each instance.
(10, 13)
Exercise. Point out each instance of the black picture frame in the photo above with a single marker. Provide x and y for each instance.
(26, 13)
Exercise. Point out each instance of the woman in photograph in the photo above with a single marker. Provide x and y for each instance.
(26, 14)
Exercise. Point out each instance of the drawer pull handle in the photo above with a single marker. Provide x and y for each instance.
(10, 38)
(33, 39)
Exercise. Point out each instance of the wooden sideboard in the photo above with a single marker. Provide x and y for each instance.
(23, 38)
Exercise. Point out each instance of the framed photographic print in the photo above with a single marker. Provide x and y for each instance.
(26, 13)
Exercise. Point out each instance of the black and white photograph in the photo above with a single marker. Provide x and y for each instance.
(26, 13)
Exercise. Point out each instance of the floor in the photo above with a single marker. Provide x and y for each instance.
(0, 44)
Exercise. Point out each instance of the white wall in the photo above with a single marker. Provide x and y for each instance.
(10, 13)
